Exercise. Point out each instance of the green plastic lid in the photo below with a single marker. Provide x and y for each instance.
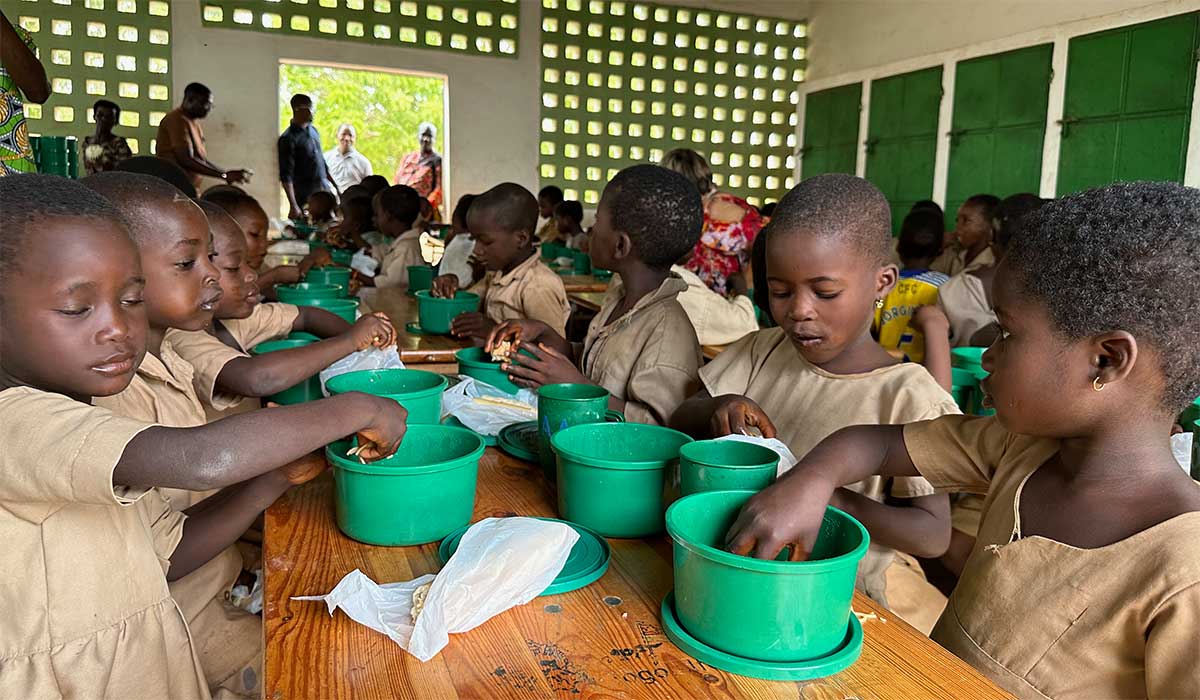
(520, 440)
(586, 563)
(414, 328)
(837, 660)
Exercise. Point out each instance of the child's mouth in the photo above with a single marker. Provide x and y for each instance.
(210, 303)
(806, 341)
(116, 366)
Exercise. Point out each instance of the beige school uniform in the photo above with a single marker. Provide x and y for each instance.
(84, 611)
(953, 260)
(649, 358)
(808, 404)
(965, 303)
(393, 266)
(1047, 620)
(717, 320)
(208, 355)
(530, 290)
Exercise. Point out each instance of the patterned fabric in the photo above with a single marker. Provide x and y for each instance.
(424, 177)
(16, 156)
(724, 246)
(102, 156)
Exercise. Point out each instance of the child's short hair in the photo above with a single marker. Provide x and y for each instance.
(162, 169)
(920, 235)
(570, 209)
(402, 202)
(138, 197)
(116, 108)
(359, 208)
(512, 207)
(1010, 213)
(659, 209)
(987, 204)
(327, 196)
(1120, 257)
(461, 209)
(356, 192)
(551, 193)
(31, 197)
(840, 206)
(375, 184)
(930, 205)
(768, 209)
(215, 213)
(230, 199)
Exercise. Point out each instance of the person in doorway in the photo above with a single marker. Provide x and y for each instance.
(346, 165)
(103, 150)
(422, 170)
(302, 168)
(180, 138)
(21, 76)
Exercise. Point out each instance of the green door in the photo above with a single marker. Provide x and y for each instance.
(1128, 104)
(999, 124)
(902, 137)
(831, 130)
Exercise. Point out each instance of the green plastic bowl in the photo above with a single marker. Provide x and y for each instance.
(420, 494)
(418, 391)
(611, 476)
(551, 250)
(307, 390)
(419, 277)
(436, 314)
(341, 257)
(725, 465)
(346, 308)
(964, 388)
(305, 292)
(330, 274)
(755, 609)
(474, 362)
(969, 358)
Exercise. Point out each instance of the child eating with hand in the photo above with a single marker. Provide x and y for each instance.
(397, 216)
(518, 284)
(641, 346)
(1084, 581)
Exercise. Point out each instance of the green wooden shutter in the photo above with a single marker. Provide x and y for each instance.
(1128, 104)
(902, 137)
(831, 130)
(999, 124)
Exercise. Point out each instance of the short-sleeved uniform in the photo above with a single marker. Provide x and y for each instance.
(808, 404)
(717, 320)
(84, 609)
(208, 355)
(393, 265)
(1047, 620)
(228, 640)
(530, 290)
(964, 300)
(953, 260)
(914, 289)
(649, 357)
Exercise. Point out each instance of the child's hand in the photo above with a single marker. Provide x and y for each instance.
(356, 283)
(304, 469)
(735, 415)
(444, 286)
(373, 330)
(737, 285)
(472, 324)
(930, 320)
(516, 332)
(381, 438)
(789, 512)
(547, 366)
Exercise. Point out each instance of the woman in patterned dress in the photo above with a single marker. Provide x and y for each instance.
(104, 150)
(22, 77)
(422, 170)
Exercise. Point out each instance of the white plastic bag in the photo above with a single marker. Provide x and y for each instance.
(364, 264)
(500, 563)
(371, 358)
(787, 460)
(486, 418)
(1181, 447)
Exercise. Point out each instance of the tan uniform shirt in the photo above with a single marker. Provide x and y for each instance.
(86, 610)
(549, 231)
(965, 303)
(649, 357)
(1047, 620)
(208, 355)
(530, 290)
(393, 266)
(717, 320)
(953, 260)
(808, 404)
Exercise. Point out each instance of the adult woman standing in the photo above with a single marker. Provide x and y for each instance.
(422, 170)
(104, 150)
(730, 224)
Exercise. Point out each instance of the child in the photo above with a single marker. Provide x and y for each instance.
(518, 284)
(86, 535)
(460, 245)
(357, 220)
(827, 268)
(397, 215)
(718, 320)
(568, 216)
(1085, 580)
(640, 346)
(548, 198)
(919, 245)
(972, 238)
(320, 207)
(227, 379)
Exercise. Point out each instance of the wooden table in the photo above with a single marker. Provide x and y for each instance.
(584, 283)
(434, 350)
(602, 641)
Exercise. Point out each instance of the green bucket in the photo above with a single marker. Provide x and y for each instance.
(437, 314)
(478, 364)
(307, 390)
(551, 250)
(418, 391)
(725, 465)
(611, 476)
(330, 274)
(561, 406)
(346, 308)
(964, 388)
(971, 360)
(420, 494)
(419, 277)
(341, 257)
(305, 292)
(766, 610)
(583, 262)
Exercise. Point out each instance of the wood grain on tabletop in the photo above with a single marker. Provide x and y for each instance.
(584, 283)
(602, 641)
(414, 349)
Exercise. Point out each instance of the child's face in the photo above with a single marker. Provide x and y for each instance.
(823, 292)
(239, 293)
(385, 223)
(971, 228)
(496, 248)
(73, 321)
(319, 209)
(182, 290)
(565, 223)
(604, 239)
(545, 207)
(254, 223)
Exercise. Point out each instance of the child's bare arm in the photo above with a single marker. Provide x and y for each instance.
(319, 322)
(284, 274)
(921, 528)
(706, 416)
(529, 332)
(933, 324)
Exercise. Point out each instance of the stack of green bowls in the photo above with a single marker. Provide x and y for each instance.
(418, 391)
(725, 465)
(330, 274)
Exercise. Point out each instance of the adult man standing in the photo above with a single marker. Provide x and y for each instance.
(180, 138)
(302, 168)
(346, 165)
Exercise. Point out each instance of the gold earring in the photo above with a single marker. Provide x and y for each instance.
(879, 303)
(1097, 385)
